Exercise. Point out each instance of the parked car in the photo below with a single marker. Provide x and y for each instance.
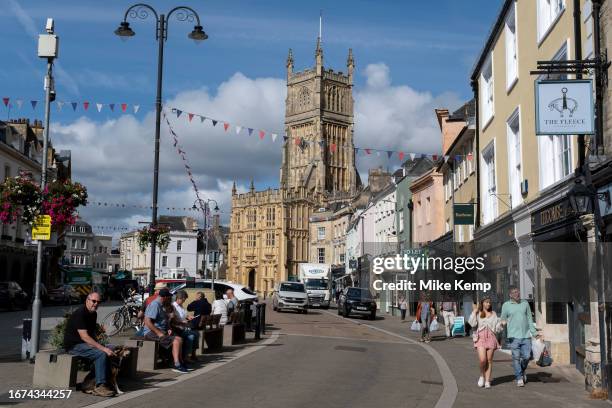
(290, 295)
(64, 294)
(12, 296)
(357, 300)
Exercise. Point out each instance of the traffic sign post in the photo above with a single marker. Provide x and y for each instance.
(41, 228)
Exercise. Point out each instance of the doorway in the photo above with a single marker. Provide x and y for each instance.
(251, 283)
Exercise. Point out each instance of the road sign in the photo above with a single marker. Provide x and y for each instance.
(41, 228)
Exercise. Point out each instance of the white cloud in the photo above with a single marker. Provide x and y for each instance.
(114, 159)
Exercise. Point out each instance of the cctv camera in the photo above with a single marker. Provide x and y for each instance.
(50, 25)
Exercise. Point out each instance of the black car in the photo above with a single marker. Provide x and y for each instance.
(357, 300)
(12, 296)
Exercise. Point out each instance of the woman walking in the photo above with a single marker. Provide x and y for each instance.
(425, 314)
(403, 305)
(485, 324)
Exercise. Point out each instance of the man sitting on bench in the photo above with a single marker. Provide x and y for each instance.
(80, 340)
(157, 328)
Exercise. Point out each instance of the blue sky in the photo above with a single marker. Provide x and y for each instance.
(411, 58)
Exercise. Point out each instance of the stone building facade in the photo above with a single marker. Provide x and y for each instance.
(269, 230)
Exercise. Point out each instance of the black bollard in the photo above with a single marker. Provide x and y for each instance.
(263, 318)
(257, 322)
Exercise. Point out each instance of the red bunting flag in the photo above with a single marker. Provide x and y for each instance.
(123, 107)
(298, 141)
(401, 155)
(434, 157)
(85, 105)
(262, 134)
(332, 147)
(469, 156)
(226, 126)
(190, 116)
(6, 101)
(368, 151)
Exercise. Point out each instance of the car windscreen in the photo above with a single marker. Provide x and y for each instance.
(292, 287)
(359, 293)
(316, 284)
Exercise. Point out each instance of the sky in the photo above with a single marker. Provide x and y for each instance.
(411, 57)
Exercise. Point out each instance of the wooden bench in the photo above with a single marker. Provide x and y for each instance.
(149, 355)
(211, 333)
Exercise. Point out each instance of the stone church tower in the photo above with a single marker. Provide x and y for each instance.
(269, 230)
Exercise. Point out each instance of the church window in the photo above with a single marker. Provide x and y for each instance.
(250, 241)
(252, 218)
(270, 217)
(270, 239)
(304, 97)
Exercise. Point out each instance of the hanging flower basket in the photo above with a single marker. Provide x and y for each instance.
(60, 201)
(20, 198)
(159, 235)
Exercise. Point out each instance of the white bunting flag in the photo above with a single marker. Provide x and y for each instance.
(60, 104)
(274, 136)
(412, 156)
(99, 107)
(136, 108)
(238, 129)
(19, 103)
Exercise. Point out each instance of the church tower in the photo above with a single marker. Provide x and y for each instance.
(319, 151)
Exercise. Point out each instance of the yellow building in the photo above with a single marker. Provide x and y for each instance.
(269, 230)
(523, 177)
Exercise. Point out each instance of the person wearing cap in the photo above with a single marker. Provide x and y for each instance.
(157, 328)
(158, 286)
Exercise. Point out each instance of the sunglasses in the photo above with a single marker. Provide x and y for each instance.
(95, 301)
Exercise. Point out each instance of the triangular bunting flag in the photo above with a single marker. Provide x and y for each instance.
(111, 106)
(202, 119)
(85, 105)
(368, 151)
(60, 105)
(356, 151)
(123, 107)
(332, 147)
(389, 154)
(226, 126)
(401, 155)
(446, 158)
(298, 141)
(99, 107)
(250, 131)
(178, 112)
(136, 108)
(190, 116)
(5, 101)
(458, 158)
(238, 129)
(434, 157)
(274, 136)
(34, 103)
(19, 103)
(285, 137)
(469, 156)
(262, 134)
(378, 153)
(412, 156)
(74, 105)
(214, 122)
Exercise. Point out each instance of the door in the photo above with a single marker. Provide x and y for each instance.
(251, 284)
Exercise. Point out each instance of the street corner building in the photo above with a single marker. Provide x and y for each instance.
(269, 231)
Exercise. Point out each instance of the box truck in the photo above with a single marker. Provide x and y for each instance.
(316, 278)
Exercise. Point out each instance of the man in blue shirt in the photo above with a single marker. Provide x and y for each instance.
(516, 316)
(157, 328)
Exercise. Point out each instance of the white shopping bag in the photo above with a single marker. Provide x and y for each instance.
(433, 326)
(416, 326)
(537, 347)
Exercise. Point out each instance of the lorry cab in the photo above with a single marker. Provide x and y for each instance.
(316, 279)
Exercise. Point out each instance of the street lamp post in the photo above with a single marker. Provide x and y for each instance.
(204, 205)
(183, 13)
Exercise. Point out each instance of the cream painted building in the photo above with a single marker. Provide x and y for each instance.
(524, 177)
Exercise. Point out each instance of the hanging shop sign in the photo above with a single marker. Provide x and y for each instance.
(564, 107)
(463, 214)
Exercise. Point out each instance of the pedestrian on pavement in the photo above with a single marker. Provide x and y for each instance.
(219, 307)
(80, 340)
(403, 305)
(467, 306)
(182, 327)
(232, 302)
(449, 311)
(486, 325)
(516, 316)
(157, 328)
(425, 314)
(200, 307)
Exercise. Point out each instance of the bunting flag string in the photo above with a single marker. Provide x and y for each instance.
(18, 103)
(107, 204)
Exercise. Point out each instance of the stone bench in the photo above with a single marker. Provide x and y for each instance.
(149, 355)
(55, 369)
(211, 333)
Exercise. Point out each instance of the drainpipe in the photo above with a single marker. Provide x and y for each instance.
(578, 56)
(599, 74)
(474, 84)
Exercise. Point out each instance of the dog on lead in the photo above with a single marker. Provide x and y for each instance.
(89, 383)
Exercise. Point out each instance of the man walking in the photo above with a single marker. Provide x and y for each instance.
(80, 340)
(449, 311)
(403, 305)
(516, 315)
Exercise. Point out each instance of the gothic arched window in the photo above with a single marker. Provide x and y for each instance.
(304, 97)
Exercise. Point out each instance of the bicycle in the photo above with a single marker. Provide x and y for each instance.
(123, 318)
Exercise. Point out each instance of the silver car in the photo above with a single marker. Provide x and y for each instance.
(290, 295)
